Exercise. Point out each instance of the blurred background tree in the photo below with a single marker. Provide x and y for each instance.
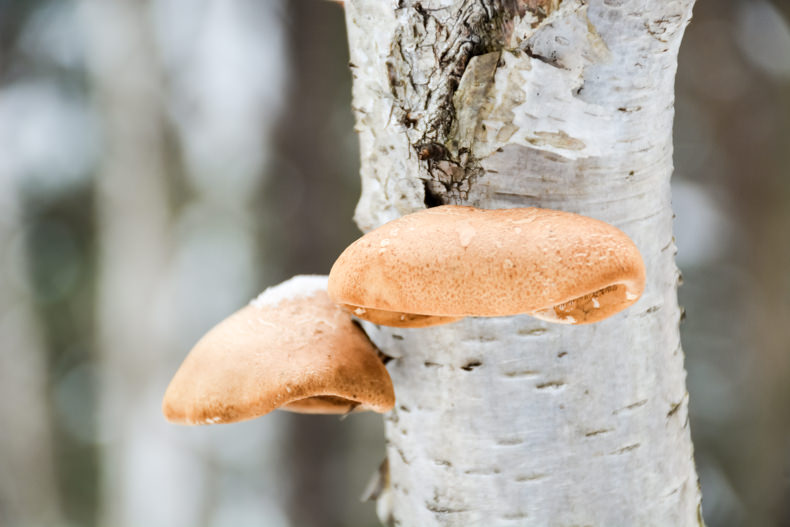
(163, 161)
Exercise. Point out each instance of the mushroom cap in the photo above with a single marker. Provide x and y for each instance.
(291, 348)
(455, 261)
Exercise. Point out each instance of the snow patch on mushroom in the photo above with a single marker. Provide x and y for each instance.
(300, 286)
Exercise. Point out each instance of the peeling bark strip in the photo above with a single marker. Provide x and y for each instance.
(508, 103)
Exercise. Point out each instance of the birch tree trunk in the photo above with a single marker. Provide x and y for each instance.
(510, 103)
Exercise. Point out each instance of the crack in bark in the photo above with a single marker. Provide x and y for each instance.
(521, 373)
(625, 449)
(676, 406)
(630, 406)
(550, 384)
(551, 60)
(471, 365)
(439, 509)
(424, 104)
(598, 432)
(529, 477)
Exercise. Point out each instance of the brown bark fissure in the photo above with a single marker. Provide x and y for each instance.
(425, 104)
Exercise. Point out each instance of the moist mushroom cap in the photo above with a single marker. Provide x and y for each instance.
(454, 261)
(301, 353)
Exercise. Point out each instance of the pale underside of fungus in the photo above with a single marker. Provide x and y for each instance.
(444, 263)
(290, 348)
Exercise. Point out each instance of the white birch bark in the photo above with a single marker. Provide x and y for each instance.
(508, 103)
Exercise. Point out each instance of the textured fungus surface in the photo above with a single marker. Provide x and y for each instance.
(455, 261)
(302, 353)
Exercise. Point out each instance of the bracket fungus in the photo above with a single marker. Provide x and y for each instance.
(444, 263)
(290, 348)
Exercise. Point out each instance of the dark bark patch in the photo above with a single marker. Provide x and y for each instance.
(471, 365)
(431, 151)
(594, 433)
(551, 60)
(529, 477)
(674, 409)
(550, 385)
(434, 195)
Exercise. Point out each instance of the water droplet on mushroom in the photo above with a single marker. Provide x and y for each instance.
(466, 232)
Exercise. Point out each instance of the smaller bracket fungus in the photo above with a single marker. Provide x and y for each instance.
(444, 263)
(290, 348)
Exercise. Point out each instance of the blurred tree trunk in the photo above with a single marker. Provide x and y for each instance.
(508, 103)
(308, 192)
(28, 487)
(133, 254)
(28, 480)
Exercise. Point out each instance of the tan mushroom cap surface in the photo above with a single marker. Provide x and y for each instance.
(454, 261)
(301, 353)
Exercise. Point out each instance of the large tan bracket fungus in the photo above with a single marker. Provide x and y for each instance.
(290, 348)
(443, 263)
